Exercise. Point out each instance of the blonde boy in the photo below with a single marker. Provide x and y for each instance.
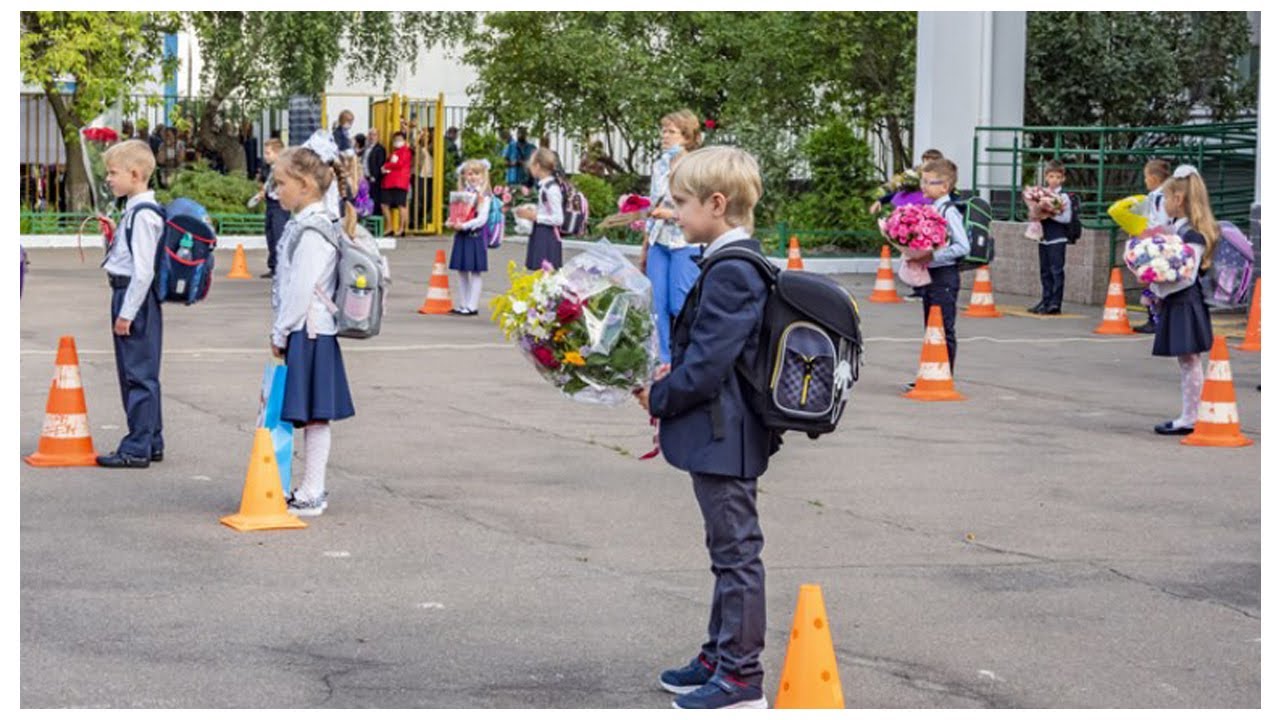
(137, 324)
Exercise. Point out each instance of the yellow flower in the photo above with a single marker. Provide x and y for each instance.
(574, 358)
(561, 334)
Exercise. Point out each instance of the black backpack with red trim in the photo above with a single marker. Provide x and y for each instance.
(184, 255)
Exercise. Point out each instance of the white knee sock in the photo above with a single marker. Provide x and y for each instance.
(317, 437)
(1192, 387)
(464, 290)
(473, 292)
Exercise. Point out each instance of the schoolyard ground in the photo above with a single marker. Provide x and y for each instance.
(490, 543)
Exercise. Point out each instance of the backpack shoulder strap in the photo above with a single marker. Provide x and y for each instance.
(153, 207)
(321, 227)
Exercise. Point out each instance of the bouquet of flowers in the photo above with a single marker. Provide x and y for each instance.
(94, 141)
(905, 181)
(587, 328)
(462, 207)
(1160, 256)
(918, 229)
(510, 195)
(1041, 203)
(632, 211)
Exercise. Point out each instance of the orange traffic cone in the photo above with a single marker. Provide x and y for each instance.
(239, 267)
(437, 301)
(1218, 423)
(1115, 316)
(1253, 334)
(933, 382)
(982, 303)
(793, 255)
(809, 676)
(262, 505)
(884, 290)
(64, 438)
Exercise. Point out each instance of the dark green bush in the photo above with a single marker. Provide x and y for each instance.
(843, 183)
(219, 194)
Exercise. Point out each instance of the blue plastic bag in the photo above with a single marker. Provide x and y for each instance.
(272, 400)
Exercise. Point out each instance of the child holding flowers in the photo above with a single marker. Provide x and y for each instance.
(1051, 212)
(470, 256)
(1184, 330)
(1137, 213)
(548, 216)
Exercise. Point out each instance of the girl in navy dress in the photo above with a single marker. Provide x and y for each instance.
(1183, 329)
(544, 241)
(303, 333)
(470, 256)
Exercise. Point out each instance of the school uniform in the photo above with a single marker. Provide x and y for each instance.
(1053, 257)
(944, 275)
(671, 261)
(544, 241)
(470, 254)
(316, 383)
(708, 429)
(1183, 326)
(130, 266)
(277, 218)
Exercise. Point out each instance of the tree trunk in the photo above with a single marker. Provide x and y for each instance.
(210, 137)
(78, 196)
(901, 155)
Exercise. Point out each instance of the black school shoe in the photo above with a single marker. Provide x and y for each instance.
(120, 460)
(1051, 311)
(1146, 329)
(157, 456)
(1036, 309)
(1168, 428)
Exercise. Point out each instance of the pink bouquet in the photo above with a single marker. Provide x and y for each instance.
(1041, 203)
(919, 229)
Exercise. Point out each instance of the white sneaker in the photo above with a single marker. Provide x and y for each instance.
(309, 508)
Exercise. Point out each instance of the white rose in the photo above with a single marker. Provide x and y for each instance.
(519, 307)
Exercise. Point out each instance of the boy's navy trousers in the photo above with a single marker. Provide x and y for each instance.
(735, 634)
(1053, 262)
(138, 369)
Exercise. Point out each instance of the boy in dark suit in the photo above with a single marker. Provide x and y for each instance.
(709, 429)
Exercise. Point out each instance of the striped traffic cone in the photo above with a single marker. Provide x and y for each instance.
(1253, 332)
(884, 290)
(1115, 316)
(982, 303)
(933, 382)
(437, 301)
(1218, 422)
(794, 262)
(64, 438)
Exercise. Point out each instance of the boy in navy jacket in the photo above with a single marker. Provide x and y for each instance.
(708, 428)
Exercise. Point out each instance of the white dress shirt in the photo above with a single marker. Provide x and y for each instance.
(140, 264)
(550, 203)
(307, 261)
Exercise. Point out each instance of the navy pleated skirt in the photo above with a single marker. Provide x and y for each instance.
(469, 253)
(315, 386)
(1182, 325)
(544, 244)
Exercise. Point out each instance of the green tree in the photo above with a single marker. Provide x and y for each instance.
(103, 55)
(1135, 68)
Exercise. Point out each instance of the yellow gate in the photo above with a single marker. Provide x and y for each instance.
(422, 121)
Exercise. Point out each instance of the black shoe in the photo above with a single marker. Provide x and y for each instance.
(908, 387)
(1167, 428)
(1051, 311)
(157, 456)
(120, 460)
(1146, 329)
(1036, 309)
(268, 274)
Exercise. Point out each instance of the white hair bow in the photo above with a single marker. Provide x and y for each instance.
(483, 161)
(1185, 171)
(321, 143)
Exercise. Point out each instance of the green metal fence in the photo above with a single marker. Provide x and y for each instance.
(33, 223)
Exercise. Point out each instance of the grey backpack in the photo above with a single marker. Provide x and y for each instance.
(360, 298)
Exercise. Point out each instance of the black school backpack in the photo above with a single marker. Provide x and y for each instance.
(184, 255)
(1074, 228)
(810, 347)
(977, 222)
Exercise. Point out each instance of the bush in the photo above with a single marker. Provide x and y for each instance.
(481, 146)
(843, 183)
(219, 194)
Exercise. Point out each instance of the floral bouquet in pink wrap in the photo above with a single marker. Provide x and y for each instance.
(1159, 255)
(918, 230)
(1041, 203)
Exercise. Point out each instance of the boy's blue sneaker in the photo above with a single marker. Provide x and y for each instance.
(723, 692)
(688, 678)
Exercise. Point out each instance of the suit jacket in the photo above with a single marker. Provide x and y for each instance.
(374, 160)
(706, 424)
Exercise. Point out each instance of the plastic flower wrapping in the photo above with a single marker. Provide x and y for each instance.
(587, 328)
(94, 142)
(1159, 255)
(1042, 203)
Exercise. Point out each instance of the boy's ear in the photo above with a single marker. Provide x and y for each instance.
(719, 204)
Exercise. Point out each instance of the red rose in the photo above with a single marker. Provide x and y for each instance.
(568, 311)
(545, 357)
(709, 124)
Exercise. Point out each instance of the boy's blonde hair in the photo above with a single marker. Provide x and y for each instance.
(730, 171)
(687, 123)
(273, 144)
(131, 155)
(543, 158)
(943, 167)
(1158, 169)
(931, 154)
(469, 165)
(1193, 196)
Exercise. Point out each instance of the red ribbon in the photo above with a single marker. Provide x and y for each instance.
(656, 451)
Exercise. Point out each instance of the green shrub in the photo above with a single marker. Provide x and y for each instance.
(843, 183)
(219, 194)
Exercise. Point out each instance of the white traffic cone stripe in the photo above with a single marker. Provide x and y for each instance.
(1115, 289)
(884, 284)
(982, 299)
(983, 276)
(67, 377)
(1114, 314)
(1218, 413)
(435, 293)
(1219, 370)
(65, 426)
(934, 336)
(934, 371)
(886, 264)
